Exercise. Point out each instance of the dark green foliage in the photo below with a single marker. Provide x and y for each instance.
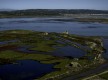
(48, 12)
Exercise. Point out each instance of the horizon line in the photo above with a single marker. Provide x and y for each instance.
(53, 9)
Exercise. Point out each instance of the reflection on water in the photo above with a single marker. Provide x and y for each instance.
(69, 51)
(24, 70)
(53, 25)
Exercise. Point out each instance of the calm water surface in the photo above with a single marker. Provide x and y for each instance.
(28, 69)
(53, 25)
(106, 47)
(24, 70)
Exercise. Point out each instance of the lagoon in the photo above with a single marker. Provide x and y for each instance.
(24, 70)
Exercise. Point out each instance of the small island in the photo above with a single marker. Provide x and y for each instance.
(41, 46)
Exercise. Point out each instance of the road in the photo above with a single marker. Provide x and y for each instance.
(97, 70)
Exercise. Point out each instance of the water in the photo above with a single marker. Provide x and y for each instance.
(69, 51)
(7, 42)
(53, 25)
(24, 70)
(60, 51)
(106, 47)
(28, 69)
(25, 49)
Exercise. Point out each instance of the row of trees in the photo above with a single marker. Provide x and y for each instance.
(49, 12)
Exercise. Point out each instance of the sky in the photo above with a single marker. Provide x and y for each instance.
(54, 4)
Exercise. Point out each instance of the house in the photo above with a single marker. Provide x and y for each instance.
(45, 33)
(66, 32)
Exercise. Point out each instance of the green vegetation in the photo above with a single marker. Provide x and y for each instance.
(104, 76)
(44, 46)
(100, 76)
(42, 43)
(8, 54)
(48, 12)
(100, 20)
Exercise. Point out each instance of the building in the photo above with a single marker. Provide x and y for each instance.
(45, 33)
(66, 32)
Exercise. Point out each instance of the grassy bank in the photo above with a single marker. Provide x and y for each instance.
(43, 44)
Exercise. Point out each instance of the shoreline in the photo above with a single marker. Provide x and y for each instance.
(39, 39)
(66, 19)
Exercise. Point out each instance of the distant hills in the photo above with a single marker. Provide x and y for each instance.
(6, 9)
(68, 11)
(47, 12)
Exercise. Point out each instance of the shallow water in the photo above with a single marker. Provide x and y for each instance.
(106, 47)
(28, 69)
(25, 49)
(7, 42)
(60, 51)
(69, 51)
(24, 70)
(52, 25)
